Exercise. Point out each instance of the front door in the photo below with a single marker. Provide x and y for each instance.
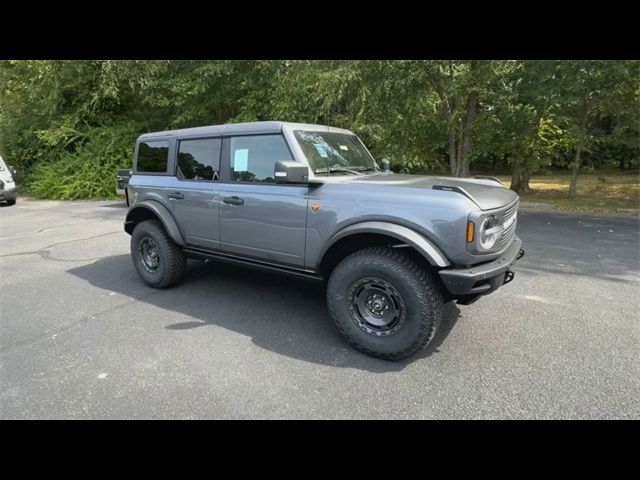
(259, 218)
(195, 193)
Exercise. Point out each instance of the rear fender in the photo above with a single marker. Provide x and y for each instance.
(149, 209)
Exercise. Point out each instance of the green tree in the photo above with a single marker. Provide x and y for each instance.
(463, 88)
(588, 90)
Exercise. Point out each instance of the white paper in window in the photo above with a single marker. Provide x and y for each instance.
(241, 160)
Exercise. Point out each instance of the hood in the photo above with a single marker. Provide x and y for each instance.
(487, 194)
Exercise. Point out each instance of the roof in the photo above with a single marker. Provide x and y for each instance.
(240, 129)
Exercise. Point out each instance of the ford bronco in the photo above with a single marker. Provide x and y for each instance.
(311, 201)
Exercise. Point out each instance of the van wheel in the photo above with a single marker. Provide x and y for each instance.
(158, 259)
(11, 202)
(384, 303)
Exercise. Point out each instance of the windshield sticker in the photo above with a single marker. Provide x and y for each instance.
(241, 160)
(344, 147)
(321, 150)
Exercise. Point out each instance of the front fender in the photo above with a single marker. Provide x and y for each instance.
(141, 212)
(423, 245)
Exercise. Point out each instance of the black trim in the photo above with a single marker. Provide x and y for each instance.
(256, 264)
(484, 278)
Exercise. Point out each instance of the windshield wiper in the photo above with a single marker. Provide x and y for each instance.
(337, 169)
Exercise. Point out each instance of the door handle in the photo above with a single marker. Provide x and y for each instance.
(175, 196)
(233, 200)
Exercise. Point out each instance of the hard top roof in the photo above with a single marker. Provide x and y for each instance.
(240, 129)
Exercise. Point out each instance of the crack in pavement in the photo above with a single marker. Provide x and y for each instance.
(68, 326)
(42, 230)
(45, 253)
(48, 334)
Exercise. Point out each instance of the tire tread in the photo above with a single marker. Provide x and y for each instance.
(429, 294)
(175, 261)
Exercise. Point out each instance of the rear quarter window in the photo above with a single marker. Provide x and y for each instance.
(153, 156)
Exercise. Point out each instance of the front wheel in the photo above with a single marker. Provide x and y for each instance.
(158, 259)
(384, 303)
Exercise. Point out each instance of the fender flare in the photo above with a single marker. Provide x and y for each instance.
(423, 245)
(160, 211)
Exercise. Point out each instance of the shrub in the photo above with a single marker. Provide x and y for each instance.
(87, 172)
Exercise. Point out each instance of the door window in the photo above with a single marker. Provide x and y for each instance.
(198, 159)
(253, 158)
(152, 157)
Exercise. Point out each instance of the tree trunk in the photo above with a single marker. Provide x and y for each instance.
(574, 172)
(467, 134)
(526, 176)
(516, 176)
(453, 164)
(579, 147)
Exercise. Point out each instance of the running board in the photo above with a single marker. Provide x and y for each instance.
(255, 264)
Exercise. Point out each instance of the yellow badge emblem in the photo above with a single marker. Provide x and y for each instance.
(315, 207)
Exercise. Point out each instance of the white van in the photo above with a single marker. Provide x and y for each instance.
(7, 185)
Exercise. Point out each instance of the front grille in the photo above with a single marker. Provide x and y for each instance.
(508, 234)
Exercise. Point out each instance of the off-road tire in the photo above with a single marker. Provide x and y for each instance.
(420, 291)
(172, 262)
(11, 202)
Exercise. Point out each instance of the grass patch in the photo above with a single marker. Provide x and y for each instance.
(596, 192)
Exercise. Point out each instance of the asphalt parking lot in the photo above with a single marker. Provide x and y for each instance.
(82, 337)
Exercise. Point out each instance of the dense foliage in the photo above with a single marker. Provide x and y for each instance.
(68, 125)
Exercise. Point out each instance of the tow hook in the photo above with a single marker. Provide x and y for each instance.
(508, 276)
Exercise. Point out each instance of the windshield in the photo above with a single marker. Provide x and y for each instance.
(335, 152)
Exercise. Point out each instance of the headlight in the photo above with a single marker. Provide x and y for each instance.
(488, 235)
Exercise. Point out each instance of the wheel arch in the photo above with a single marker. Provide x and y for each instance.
(150, 210)
(367, 234)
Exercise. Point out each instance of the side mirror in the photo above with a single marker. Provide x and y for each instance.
(12, 170)
(291, 172)
(385, 164)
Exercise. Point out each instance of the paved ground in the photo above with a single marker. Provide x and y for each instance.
(82, 337)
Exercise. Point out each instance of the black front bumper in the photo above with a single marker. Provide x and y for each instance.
(7, 195)
(484, 278)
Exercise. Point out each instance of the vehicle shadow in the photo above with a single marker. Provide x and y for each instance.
(283, 315)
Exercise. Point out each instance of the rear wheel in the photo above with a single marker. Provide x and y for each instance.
(158, 259)
(384, 303)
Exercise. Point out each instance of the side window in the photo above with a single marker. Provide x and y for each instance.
(199, 159)
(152, 156)
(253, 157)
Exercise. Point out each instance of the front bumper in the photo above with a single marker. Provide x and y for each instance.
(484, 278)
(9, 194)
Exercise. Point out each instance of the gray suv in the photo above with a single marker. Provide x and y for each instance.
(310, 201)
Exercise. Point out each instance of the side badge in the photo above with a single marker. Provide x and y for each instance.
(315, 207)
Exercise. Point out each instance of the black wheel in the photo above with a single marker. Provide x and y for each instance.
(11, 202)
(159, 260)
(384, 303)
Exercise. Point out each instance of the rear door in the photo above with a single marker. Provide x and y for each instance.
(195, 193)
(259, 218)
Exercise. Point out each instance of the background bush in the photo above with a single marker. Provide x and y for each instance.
(86, 172)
